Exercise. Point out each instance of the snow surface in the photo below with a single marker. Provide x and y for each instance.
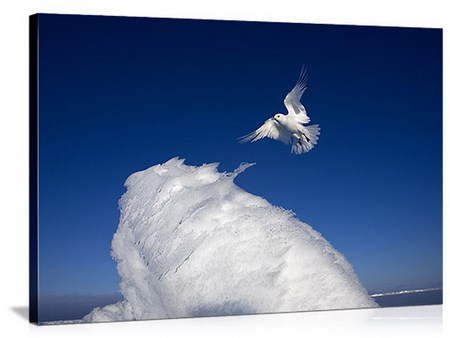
(402, 292)
(192, 243)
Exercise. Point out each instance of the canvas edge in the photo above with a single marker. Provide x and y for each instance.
(33, 169)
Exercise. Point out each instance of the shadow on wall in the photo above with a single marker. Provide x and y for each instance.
(22, 311)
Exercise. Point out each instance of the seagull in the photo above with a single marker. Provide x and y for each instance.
(289, 128)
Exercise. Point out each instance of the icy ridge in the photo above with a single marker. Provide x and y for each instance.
(192, 243)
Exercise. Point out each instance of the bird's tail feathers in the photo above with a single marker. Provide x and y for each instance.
(307, 140)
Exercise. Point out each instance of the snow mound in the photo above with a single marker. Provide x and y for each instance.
(192, 243)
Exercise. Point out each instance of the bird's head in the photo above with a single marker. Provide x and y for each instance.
(277, 117)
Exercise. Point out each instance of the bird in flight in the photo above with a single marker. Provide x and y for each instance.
(290, 128)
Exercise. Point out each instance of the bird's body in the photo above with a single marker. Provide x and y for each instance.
(290, 128)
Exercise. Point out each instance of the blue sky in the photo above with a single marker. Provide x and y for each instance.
(118, 95)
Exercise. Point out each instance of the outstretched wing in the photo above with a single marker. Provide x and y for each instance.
(292, 101)
(270, 129)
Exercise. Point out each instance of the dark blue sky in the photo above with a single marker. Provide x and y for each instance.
(118, 95)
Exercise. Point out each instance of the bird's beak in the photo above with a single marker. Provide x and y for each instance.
(272, 118)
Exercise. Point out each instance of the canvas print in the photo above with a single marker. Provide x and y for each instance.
(186, 168)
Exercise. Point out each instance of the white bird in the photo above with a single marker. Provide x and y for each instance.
(290, 128)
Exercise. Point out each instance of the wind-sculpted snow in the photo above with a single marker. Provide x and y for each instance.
(192, 243)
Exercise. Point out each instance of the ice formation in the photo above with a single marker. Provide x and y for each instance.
(192, 243)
